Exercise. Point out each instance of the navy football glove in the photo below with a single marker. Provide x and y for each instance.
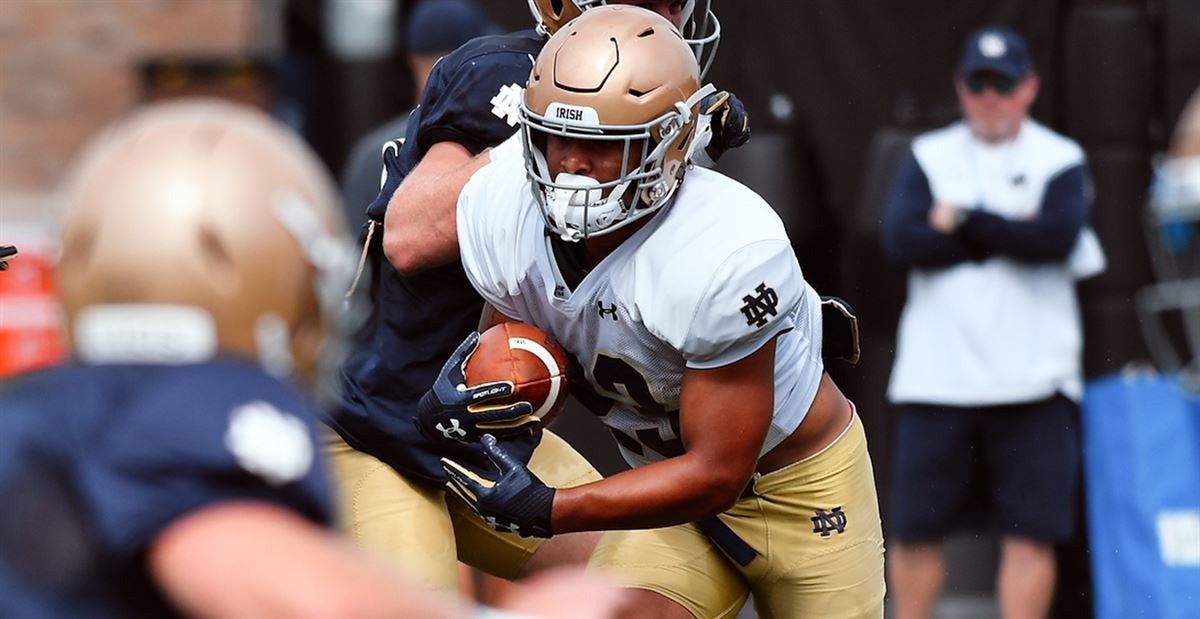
(729, 121)
(7, 252)
(839, 327)
(451, 410)
(518, 502)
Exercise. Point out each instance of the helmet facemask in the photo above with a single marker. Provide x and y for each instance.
(702, 32)
(1173, 234)
(577, 207)
(620, 75)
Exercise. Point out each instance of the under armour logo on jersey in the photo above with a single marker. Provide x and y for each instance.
(507, 527)
(601, 310)
(826, 523)
(506, 105)
(1018, 180)
(759, 306)
(454, 432)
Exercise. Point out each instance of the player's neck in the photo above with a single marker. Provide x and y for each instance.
(597, 248)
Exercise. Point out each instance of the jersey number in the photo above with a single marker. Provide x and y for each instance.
(615, 375)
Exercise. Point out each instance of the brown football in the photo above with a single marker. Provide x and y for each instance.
(527, 356)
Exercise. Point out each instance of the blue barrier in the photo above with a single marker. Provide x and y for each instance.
(1141, 447)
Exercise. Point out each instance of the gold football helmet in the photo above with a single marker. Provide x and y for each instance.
(196, 229)
(1173, 230)
(616, 74)
(701, 29)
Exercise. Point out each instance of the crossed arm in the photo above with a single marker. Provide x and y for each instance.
(918, 232)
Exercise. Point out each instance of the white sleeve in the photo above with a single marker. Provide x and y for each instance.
(512, 149)
(752, 297)
(481, 239)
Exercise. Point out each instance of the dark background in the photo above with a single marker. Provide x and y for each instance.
(835, 89)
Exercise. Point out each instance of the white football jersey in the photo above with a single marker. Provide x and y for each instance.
(706, 282)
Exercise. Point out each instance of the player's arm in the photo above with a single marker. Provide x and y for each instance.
(706, 480)
(419, 227)
(254, 559)
(457, 121)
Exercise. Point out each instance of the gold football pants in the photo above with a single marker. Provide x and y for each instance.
(814, 525)
(427, 531)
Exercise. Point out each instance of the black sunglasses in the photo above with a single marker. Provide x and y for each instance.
(1002, 84)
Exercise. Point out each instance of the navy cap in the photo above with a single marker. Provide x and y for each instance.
(996, 48)
(438, 26)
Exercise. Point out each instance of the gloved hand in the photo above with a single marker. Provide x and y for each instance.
(839, 326)
(7, 252)
(451, 410)
(517, 502)
(729, 121)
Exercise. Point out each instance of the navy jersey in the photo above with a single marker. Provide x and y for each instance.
(416, 322)
(97, 461)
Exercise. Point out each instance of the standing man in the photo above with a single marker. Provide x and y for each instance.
(677, 292)
(988, 215)
(422, 306)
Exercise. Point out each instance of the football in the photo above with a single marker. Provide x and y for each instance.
(529, 358)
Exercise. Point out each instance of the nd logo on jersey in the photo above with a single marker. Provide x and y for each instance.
(758, 307)
(506, 105)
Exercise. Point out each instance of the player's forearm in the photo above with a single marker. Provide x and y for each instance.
(677, 490)
(258, 560)
(419, 229)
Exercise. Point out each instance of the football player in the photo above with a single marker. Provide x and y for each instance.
(676, 290)
(1173, 232)
(171, 469)
(390, 472)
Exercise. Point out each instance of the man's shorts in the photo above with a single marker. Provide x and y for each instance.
(426, 531)
(815, 528)
(1016, 465)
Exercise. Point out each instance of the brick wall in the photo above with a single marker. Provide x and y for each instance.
(69, 66)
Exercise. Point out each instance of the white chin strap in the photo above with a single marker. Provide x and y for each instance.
(577, 206)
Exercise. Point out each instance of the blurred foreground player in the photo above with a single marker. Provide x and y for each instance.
(169, 469)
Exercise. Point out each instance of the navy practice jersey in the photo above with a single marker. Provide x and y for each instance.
(97, 461)
(416, 322)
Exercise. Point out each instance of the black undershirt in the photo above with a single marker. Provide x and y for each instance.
(569, 257)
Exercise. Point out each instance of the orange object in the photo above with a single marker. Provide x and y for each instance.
(32, 333)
